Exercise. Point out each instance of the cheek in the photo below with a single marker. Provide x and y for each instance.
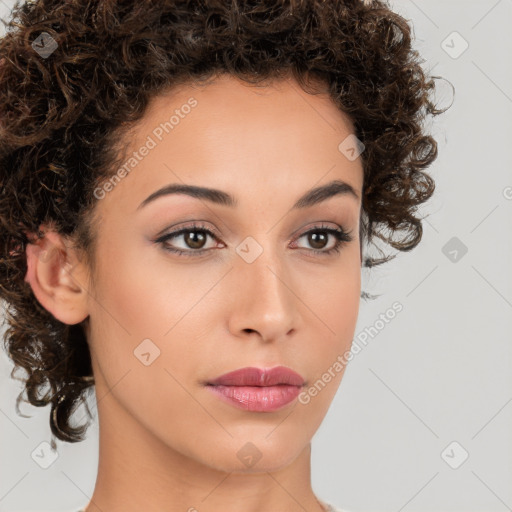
(144, 297)
(334, 295)
(141, 294)
(344, 306)
(334, 301)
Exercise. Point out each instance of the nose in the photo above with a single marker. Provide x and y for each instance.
(263, 300)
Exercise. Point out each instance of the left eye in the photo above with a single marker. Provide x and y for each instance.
(318, 235)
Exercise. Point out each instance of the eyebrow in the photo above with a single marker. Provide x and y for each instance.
(310, 198)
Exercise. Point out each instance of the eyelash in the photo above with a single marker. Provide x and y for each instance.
(342, 237)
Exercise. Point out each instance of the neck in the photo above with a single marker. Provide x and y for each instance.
(137, 471)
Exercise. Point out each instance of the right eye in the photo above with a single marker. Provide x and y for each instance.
(195, 242)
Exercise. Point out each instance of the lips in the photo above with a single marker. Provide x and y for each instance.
(251, 376)
(258, 390)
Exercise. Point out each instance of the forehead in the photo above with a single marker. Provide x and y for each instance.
(239, 137)
(228, 100)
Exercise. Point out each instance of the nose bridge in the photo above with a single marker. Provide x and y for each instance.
(264, 300)
(260, 267)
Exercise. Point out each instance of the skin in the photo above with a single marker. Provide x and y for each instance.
(166, 442)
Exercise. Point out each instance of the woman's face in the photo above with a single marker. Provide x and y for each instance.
(256, 294)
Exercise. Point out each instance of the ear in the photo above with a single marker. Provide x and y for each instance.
(57, 277)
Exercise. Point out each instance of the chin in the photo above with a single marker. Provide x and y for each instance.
(257, 456)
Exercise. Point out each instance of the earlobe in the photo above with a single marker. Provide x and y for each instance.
(56, 277)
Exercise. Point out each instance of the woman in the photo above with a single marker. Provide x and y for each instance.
(186, 189)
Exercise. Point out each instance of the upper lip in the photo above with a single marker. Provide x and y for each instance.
(251, 376)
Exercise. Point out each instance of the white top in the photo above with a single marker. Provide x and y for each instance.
(332, 508)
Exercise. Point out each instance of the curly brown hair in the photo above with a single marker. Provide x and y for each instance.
(62, 117)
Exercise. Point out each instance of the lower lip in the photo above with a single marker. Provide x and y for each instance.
(257, 398)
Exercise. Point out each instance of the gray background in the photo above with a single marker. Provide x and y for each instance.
(440, 371)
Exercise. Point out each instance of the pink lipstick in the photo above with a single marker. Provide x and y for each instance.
(258, 390)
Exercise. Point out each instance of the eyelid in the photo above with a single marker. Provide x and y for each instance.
(192, 225)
